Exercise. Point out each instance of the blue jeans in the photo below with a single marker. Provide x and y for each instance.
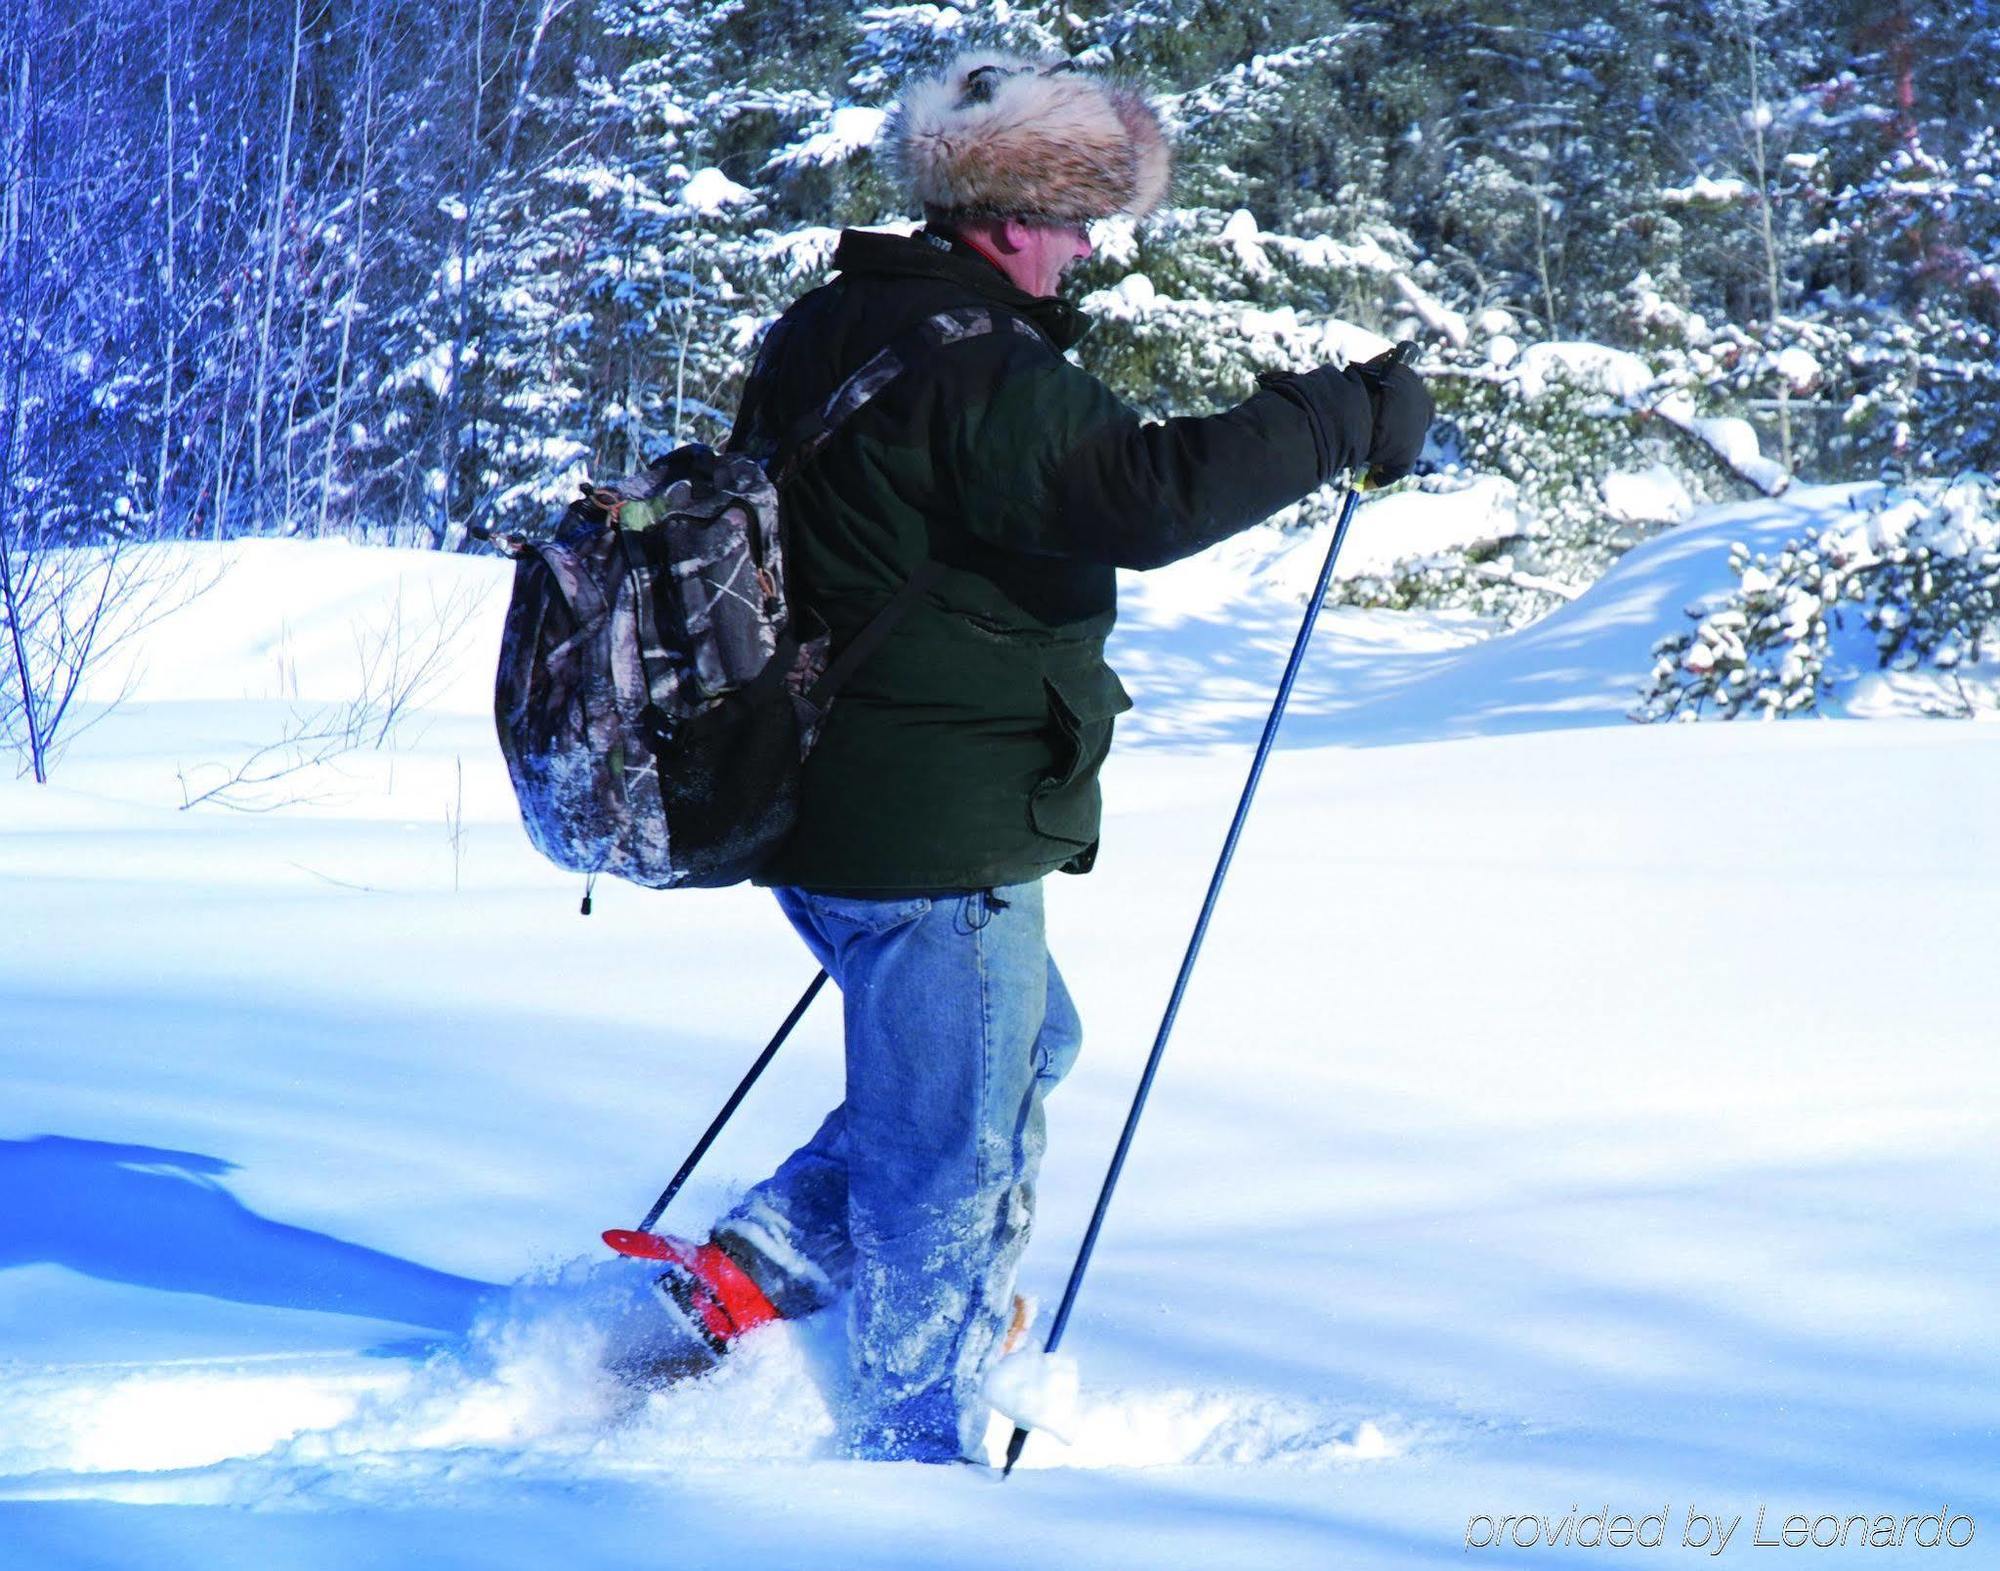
(915, 1196)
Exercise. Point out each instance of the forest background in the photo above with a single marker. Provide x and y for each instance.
(398, 271)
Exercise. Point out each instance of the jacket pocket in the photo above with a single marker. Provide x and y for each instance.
(1066, 803)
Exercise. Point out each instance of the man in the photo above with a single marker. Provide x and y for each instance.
(959, 764)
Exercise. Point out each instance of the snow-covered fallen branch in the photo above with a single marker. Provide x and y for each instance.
(1540, 583)
(1726, 441)
(1633, 388)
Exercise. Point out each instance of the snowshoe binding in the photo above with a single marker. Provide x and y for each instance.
(710, 1302)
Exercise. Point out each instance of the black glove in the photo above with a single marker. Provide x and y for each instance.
(1339, 410)
(1403, 411)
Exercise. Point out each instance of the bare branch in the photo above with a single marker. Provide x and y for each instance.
(399, 666)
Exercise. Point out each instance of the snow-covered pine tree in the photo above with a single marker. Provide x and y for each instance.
(1904, 256)
(1277, 250)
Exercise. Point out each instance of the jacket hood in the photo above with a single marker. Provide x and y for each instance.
(927, 254)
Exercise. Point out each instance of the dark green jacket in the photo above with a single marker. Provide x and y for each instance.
(965, 752)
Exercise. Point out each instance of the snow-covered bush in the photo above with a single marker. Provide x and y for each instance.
(1760, 648)
(1603, 448)
(1486, 581)
(1913, 585)
(1189, 309)
(1557, 439)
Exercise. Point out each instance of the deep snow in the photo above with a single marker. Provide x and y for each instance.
(1565, 1113)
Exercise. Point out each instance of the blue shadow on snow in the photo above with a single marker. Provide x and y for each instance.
(161, 1219)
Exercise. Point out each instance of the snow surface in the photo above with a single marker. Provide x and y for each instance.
(1563, 1113)
(1654, 495)
(1599, 367)
(1799, 368)
(1386, 530)
(848, 130)
(1037, 1390)
(711, 191)
(1704, 190)
(1271, 335)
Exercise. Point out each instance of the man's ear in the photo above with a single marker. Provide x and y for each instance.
(1014, 234)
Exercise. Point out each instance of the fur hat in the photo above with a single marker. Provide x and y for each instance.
(998, 136)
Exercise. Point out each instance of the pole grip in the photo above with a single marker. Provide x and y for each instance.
(1404, 353)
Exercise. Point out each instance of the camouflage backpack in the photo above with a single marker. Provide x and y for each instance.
(656, 694)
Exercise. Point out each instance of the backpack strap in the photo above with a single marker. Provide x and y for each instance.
(809, 433)
(813, 429)
(872, 634)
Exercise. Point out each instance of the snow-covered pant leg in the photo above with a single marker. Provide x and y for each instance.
(790, 1232)
(1056, 1048)
(945, 1015)
(957, 1026)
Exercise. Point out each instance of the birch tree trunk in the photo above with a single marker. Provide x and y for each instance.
(169, 304)
(17, 64)
(1773, 278)
(356, 252)
(277, 221)
(452, 448)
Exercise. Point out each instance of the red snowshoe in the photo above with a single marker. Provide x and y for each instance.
(709, 1297)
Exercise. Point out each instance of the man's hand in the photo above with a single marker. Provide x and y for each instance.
(1403, 411)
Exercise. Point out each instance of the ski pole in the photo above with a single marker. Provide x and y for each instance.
(728, 1108)
(1403, 353)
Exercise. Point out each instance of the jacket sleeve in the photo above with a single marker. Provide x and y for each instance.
(1050, 462)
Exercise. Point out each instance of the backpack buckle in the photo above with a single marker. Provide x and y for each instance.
(659, 727)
